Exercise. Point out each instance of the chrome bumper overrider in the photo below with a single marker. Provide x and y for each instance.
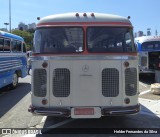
(57, 112)
(121, 110)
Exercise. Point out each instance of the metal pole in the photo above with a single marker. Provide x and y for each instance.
(10, 15)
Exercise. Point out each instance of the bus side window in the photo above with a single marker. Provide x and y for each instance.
(1, 44)
(130, 46)
(14, 48)
(19, 46)
(6, 45)
(24, 48)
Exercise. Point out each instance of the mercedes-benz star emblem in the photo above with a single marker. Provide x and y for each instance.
(85, 68)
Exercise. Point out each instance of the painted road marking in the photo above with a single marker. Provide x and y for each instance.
(145, 92)
(43, 119)
(61, 123)
(151, 107)
(143, 84)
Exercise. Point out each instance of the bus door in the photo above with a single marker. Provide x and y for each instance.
(143, 58)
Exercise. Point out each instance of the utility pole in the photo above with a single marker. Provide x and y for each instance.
(10, 16)
(156, 32)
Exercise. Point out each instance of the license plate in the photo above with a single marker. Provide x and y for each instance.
(84, 111)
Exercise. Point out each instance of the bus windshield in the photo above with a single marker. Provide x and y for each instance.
(70, 40)
(151, 45)
(110, 39)
(58, 40)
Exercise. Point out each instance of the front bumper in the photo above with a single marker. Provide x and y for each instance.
(66, 112)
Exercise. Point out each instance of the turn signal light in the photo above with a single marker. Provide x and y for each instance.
(126, 64)
(44, 64)
(127, 100)
(44, 101)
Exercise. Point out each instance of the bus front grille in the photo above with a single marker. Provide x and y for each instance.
(131, 81)
(110, 82)
(39, 82)
(143, 61)
(61, 82)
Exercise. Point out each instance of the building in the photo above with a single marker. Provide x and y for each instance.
(135, 34)
(32, 26)
(156, 32)
(148, 32)
(22, 26)
(140, 33)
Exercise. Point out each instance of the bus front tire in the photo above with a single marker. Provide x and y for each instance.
(14, 81)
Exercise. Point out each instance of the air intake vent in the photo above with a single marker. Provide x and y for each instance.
(131, 81)
(143, 61)
(110, 82)
(39, 82)
(61, 82)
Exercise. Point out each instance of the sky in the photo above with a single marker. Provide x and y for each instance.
(144, 13)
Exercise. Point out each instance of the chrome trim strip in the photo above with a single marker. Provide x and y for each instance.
(88, 75)
(12, 54)
(48, 112)
(10, 63)
(120, 111)
(4, 61)
(84, 57)
(7, 69)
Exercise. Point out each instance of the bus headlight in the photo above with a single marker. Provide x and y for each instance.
(44, 101)
(126, 64)
(44, 64)
(127, 100)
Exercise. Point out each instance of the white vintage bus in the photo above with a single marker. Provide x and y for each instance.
(84, 67)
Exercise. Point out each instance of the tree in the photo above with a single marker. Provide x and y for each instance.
(28, 37)
(31, 30)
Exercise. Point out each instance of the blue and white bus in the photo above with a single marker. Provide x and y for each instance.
(149, 53)
(13, 59)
